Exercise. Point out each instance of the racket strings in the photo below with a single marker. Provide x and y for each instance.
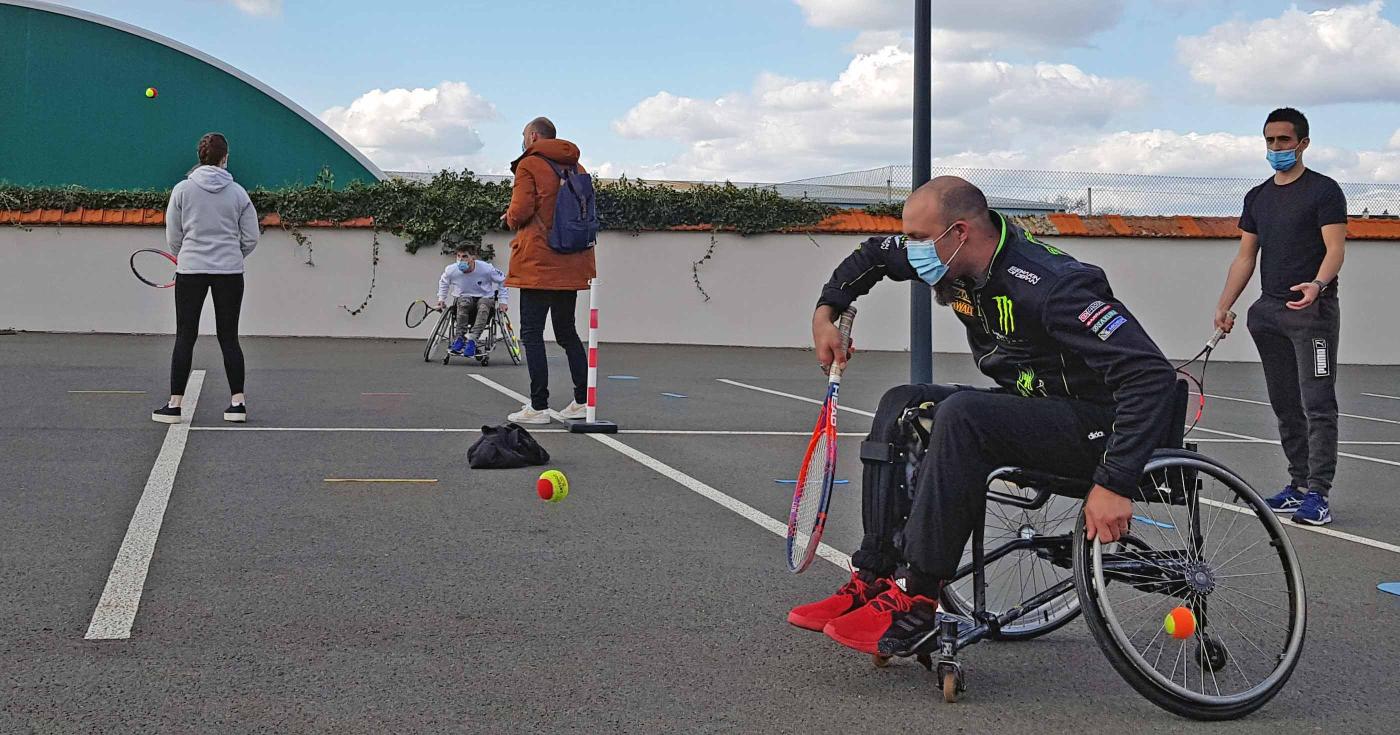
(1200, 383)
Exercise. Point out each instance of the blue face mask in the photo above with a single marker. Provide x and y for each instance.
(924, 257)
(464, 266)
(1283, 160)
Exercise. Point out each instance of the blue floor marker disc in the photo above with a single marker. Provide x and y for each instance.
(1151, 522)
(623, 377)
(1391, 587)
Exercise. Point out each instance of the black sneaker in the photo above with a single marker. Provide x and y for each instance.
(238, 413)
(911, 627)
(166, 414)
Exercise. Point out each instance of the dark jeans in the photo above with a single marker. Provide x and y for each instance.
(189, 303)
(974, 432)
(1298, 350)
(535, 304)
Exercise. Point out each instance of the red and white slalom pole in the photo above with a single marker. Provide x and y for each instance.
(590, 423)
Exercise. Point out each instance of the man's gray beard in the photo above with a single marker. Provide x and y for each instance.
(942, 294)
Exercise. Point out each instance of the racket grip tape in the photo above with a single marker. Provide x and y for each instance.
(844, 324)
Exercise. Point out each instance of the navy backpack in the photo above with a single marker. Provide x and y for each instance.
(575, 214)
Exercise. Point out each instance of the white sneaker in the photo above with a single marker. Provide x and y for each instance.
(528, 415)
(575, 411)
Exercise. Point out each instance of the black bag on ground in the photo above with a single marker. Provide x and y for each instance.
(505, 447)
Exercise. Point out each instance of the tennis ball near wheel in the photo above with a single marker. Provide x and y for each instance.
(152, 92)
(1180, 623)
(552, 486)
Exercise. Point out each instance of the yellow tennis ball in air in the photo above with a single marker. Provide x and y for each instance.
(151, 92)
(552, 486)
(1180, 623)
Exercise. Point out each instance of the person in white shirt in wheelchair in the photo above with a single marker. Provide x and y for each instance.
(472, 286)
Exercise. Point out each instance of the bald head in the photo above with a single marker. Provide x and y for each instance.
(953, 212)
(945, 200)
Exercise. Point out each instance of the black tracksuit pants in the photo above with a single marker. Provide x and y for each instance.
(1298, 350)
(974, 432)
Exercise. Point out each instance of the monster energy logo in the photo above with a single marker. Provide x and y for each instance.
(1005, 319)
(1025, 382)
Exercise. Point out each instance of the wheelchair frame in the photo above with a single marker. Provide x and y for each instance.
(498, 330)
(1168, 572)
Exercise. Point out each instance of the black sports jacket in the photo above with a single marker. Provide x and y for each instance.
(1041, 323)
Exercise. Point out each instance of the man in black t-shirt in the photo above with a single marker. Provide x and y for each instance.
(1296, 223)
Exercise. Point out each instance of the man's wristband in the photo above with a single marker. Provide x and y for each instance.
(1320, 286)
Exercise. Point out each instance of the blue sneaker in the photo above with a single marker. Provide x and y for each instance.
(456, 347)
(471, 348)
(1288, 501)
(1314, 510)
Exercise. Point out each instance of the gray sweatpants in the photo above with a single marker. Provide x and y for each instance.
(483, 306)
(1299, 354)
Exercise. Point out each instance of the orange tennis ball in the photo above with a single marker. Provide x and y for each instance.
(1180, 623)
(151, 92)
(552, 486)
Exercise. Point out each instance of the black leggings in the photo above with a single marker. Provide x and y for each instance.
(189, 302)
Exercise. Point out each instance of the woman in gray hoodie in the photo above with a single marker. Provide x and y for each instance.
(211, 227)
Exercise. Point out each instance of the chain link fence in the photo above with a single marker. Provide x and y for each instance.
(1080, 192)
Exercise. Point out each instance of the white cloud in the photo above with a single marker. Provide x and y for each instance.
(787, 128)
(418, 129)
(1395, 141)
(258, 7)
(1168, 152)
(1035, 22)
(1344, 54)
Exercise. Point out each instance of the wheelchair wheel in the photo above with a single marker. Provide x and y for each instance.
(1200, 539)
(438, 339)
(1022, 574)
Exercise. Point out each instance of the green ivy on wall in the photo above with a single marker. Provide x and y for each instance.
(457, 207)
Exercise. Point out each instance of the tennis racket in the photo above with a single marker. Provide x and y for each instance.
(153, 267)
(1200, 383)
(810, 499)
(417, 312)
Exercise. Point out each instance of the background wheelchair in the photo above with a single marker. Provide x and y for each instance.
(499, 331)
(1200, 538)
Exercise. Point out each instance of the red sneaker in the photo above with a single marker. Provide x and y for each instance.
(861, 589)
(863, 627)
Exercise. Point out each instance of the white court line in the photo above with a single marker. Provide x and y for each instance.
(1315, 529)
(1275, 442)
(789, 395)
(1246, 439)
(1265, 403)
(1256, 441)
(837, 557)
(116, 611)
(391, 430)
(1382, 395)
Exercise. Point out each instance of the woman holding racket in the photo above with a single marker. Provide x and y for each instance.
(210, 226)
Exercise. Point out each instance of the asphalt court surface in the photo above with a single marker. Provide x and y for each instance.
(277, 602)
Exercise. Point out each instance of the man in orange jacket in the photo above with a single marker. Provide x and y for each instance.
(549, 281)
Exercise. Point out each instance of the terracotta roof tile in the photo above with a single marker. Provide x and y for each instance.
(848, 222)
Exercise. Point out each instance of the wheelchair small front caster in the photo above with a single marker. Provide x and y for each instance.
(1211, 654)
(881, 661)
(950, 674)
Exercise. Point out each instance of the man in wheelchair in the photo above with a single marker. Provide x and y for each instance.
(472, 285)
(1082, 392)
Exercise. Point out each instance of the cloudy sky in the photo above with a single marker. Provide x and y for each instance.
(772, 90)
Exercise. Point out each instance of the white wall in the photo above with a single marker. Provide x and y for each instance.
(762, 289)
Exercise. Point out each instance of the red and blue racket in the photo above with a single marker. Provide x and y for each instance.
(817, 476)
